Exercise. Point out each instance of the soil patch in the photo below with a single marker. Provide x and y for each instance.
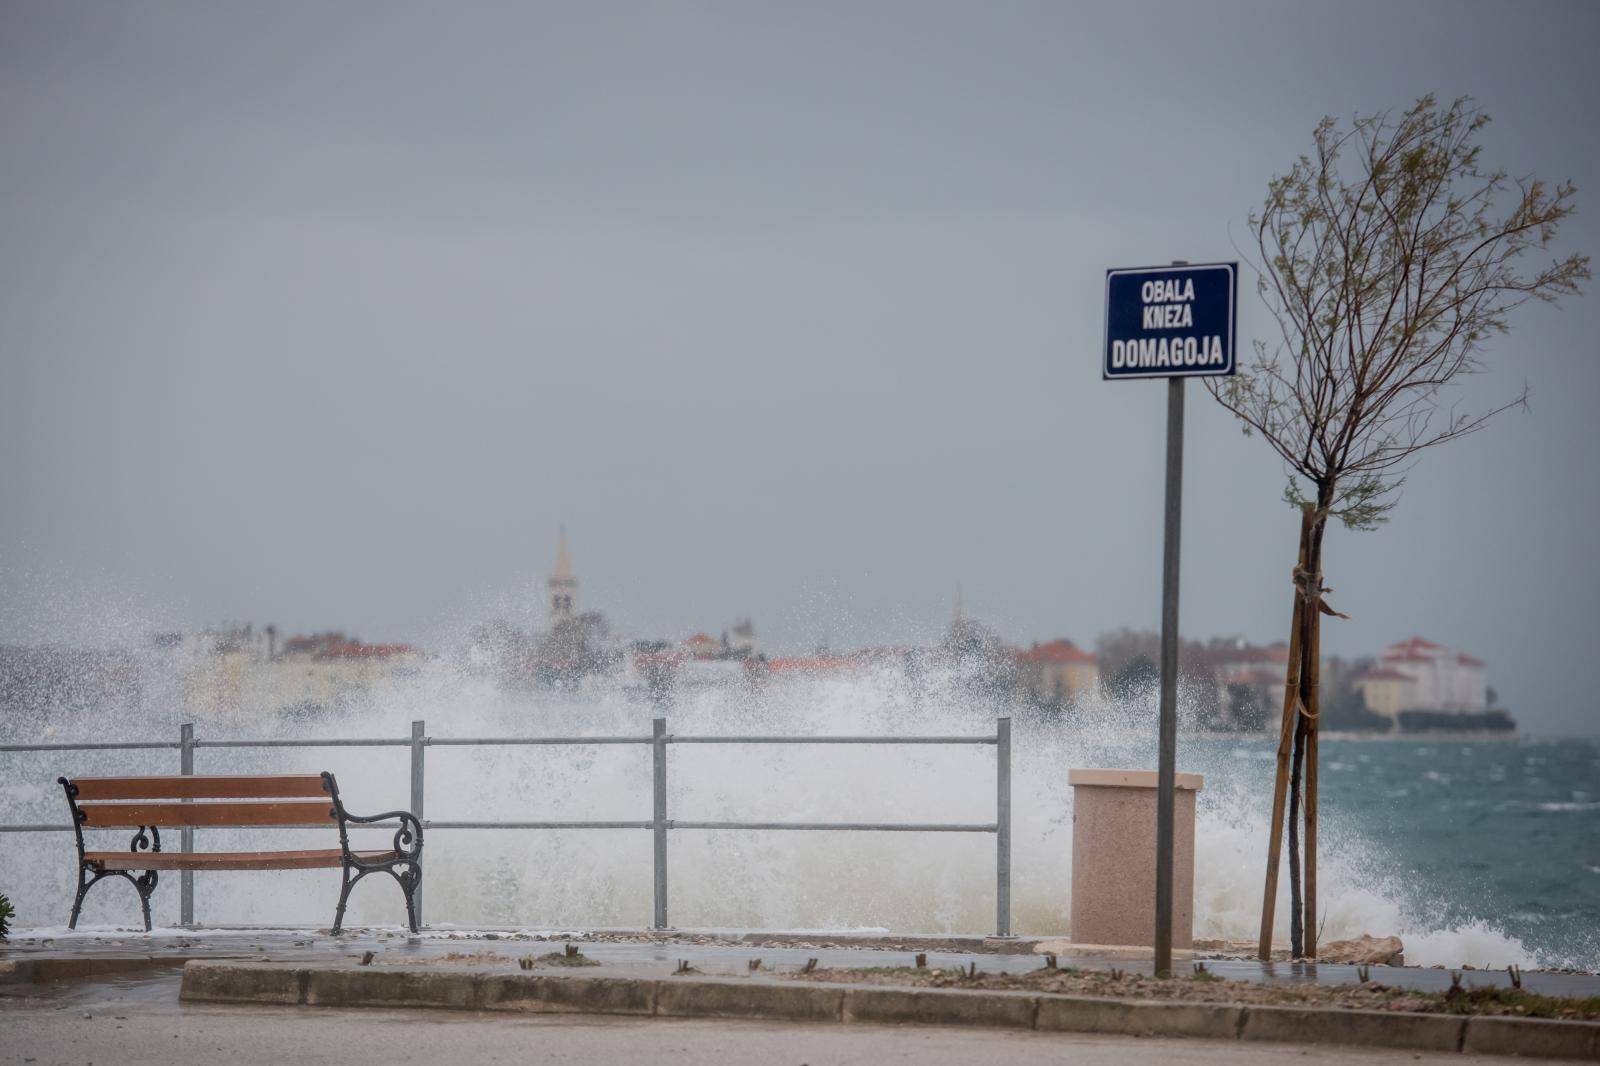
(1205, 987)
(454, 958)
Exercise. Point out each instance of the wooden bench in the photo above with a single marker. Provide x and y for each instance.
(150, 804)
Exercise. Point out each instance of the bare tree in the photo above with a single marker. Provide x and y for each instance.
(1389, 258)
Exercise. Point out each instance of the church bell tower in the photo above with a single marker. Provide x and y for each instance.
(563, 586)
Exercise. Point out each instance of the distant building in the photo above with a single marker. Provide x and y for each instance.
(969, 641)
(563, 586)
(708, 662)
(1442, 679)
(324, 671)
(809, 666)
(1417, 681)
(1250, 680)
(742, 639)
(1385, 691)
(1241, 663)
(702, 646)
(578, 644)
(1058, 672)
(240, 671)
(212, 664)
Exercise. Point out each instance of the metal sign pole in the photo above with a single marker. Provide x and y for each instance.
(1166, 778)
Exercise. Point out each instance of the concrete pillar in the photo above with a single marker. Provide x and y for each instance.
(1114, 858)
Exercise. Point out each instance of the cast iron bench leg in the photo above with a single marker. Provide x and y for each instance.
(144, 884)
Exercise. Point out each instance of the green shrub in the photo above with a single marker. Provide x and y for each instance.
(6, 914)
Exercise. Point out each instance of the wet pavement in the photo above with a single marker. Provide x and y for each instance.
(103, 1023)
(46, 956)
(135, 1016)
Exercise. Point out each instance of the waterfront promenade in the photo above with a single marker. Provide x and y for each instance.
(114, 996)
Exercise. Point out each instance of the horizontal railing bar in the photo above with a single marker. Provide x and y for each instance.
(673, 739)
(875, 827)
(138, 745)
(402, 742)
(538, 825)
(494, 741)
(903, 827)
(196, 828)
(332, 742)
(35, 828)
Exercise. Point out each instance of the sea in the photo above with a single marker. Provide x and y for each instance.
(1497, 835)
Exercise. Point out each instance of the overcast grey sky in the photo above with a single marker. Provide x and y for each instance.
(328, 314)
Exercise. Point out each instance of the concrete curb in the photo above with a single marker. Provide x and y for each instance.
(44, 971)
(206, 981)
(1366, 1028)
(538, 994)
(712, 997)
(1128, 1017)
(937, 1006)
(1534, 1037)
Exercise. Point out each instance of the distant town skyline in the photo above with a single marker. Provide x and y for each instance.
(1228, 683)
(562, 605)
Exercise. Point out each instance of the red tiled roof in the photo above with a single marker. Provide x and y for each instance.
(315, 641)
(810, 663)
(1408, 657)
(1413, 649)
(1415, 644)
(1055, 652)
(357, 650)
(657, 658)
(1383, 675)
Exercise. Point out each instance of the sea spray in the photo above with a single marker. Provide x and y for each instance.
(941, 882)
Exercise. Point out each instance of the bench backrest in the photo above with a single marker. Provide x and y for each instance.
(274, 799)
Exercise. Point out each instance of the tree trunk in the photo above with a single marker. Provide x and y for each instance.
(1305, 655)
(1286, 734)
(1310, 684)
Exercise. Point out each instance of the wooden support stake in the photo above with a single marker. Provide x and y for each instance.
(1311, 680)
(1291, 700)
(1297, 881)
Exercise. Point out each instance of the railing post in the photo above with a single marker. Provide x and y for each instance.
(186, 836)
(1002, 817)
(658, 743)
(418, 742)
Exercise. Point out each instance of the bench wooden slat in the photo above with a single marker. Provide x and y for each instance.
(226, 860)
(259, 786)
(297, 812)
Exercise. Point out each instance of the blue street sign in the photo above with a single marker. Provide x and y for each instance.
(1171, 321)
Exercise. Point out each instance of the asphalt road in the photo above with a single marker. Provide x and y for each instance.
(97, 1024)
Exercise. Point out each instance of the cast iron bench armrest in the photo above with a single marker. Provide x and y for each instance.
(407, 838)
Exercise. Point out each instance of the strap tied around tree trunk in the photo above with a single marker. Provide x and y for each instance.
(1309, 587)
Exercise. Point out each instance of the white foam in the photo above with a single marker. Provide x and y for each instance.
(554, 880)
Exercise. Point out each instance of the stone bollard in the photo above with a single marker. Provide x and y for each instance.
(1114, 858)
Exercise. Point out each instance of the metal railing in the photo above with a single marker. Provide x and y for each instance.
(660, 824)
